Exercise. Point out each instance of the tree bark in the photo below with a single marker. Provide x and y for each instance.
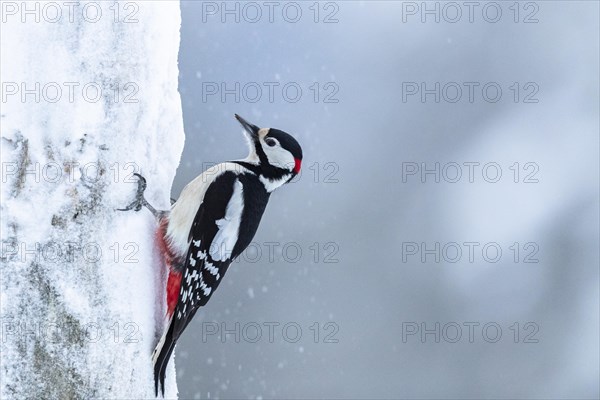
(87, 99)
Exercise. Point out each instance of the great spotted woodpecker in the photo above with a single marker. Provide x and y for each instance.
(212, 223)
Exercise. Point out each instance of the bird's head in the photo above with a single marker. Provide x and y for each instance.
(277, 154)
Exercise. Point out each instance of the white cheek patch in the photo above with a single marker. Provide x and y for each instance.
(279, 157)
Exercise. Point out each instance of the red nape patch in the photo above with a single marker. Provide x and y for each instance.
(298, 165)
(173, 285)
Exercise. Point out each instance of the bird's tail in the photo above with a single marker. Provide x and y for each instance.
(160, 358)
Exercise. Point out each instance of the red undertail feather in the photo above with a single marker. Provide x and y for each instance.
(174, 279)
(173, 284)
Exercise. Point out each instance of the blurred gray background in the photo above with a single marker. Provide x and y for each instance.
(354, 215)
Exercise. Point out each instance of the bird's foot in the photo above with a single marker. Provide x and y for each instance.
(139, 201)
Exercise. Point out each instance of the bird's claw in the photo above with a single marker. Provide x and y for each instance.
(139, 201)
(136, 206)
(141, 183)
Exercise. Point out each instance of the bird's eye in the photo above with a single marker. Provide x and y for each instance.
(270, 142)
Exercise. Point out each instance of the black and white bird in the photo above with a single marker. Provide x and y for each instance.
(212, 223)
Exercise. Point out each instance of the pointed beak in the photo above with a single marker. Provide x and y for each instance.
(252, 130)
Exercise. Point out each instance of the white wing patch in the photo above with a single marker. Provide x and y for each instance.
(226, 238)
(184, 210)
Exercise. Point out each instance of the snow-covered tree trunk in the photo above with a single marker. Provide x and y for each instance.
(89, 95)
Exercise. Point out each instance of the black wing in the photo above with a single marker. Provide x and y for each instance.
(202, 272)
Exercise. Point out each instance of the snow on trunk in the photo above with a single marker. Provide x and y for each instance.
(89, 95)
